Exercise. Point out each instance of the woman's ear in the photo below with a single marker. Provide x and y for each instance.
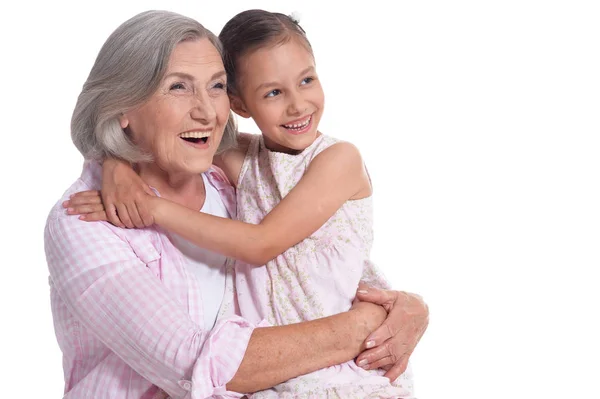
(238, 106)
(123, 121)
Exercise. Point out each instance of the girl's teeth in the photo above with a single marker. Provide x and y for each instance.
(298, 125)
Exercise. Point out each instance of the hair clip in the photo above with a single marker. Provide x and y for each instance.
(295, 17)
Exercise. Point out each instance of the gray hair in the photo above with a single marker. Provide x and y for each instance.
(127, 72)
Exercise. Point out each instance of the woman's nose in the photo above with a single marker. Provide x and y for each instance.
(203, 108)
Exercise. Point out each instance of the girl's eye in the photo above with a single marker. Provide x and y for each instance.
(306, 81)
(177, 86)
(273, 93)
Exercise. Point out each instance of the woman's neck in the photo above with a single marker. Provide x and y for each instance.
(183, 188)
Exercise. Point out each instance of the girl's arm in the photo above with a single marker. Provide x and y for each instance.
(333, 177)
(122, 199)
(231, 161)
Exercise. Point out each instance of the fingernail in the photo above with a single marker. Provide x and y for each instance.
(82, 217)
(370, 344)
(363, 363)
(70, 210)
(363, 291)
(65, 203)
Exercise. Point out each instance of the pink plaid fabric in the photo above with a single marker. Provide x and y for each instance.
(128, 316)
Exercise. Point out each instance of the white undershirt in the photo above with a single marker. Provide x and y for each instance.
(208, 267)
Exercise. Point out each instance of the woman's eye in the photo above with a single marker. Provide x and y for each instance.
(273, 93)
(177, 86)
(220, 85)
(306, 81)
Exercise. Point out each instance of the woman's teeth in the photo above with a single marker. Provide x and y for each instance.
(195, 137)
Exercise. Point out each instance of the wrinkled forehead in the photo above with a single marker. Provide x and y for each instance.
(196, 57)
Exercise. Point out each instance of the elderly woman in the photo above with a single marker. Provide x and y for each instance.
(134, 310)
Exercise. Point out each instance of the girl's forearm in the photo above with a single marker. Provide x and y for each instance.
(232, 238)
(276, 354)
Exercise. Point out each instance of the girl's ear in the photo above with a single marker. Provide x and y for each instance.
(238, 106)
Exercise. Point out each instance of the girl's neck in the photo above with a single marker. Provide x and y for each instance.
(276, 147)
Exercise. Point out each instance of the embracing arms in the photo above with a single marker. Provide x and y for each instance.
(333, 177)
(116, 295)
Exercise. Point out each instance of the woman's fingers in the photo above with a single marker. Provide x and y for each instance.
(397, 369)
(385, 361)
(375, 354)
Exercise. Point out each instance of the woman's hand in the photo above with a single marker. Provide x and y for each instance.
(390, 346)
(369, 317)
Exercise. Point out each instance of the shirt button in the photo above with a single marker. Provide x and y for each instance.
(185, 385)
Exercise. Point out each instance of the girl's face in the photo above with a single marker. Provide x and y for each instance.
(280, 90)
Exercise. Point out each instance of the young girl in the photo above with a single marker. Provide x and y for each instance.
(304, 211)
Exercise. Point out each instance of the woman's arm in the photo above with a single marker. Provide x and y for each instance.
(114, 294)
(311, 345)
(334, 176)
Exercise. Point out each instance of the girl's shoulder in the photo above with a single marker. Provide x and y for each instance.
(232, 159)
(332, 146)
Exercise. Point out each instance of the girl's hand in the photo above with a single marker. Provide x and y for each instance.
(123, 200)
(87, 204)
(391, 345)
(124, 195)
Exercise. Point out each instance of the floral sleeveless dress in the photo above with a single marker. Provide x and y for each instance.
(316, 278)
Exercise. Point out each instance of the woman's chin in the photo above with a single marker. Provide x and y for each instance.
(197, 166)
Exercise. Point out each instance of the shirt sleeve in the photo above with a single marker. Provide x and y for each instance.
(112, 293)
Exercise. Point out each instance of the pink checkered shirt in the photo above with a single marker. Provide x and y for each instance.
(127, 314)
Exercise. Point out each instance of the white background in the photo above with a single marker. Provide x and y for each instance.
(479, 122)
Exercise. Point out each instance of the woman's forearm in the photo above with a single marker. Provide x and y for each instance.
(276, 354)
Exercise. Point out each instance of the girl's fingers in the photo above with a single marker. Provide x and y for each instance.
(84, 209)
(94, 216)
(84, 200)
(111, 213)
(88, 193)
(135, 216)
(124, 216)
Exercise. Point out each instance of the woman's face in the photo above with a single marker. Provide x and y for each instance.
(182, 124)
